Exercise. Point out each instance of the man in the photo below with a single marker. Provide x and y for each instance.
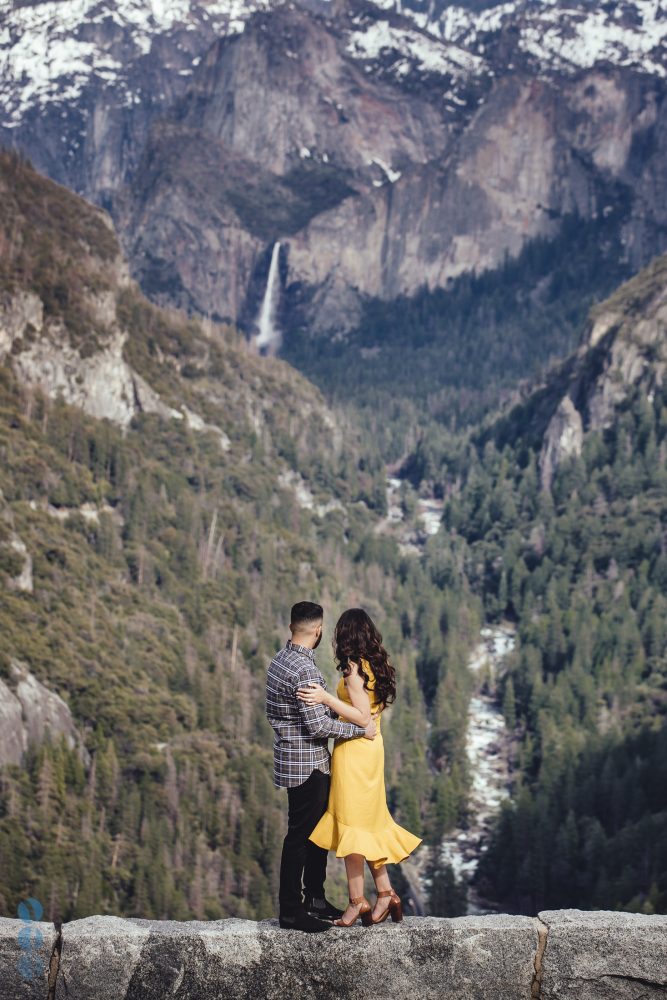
(302, 765)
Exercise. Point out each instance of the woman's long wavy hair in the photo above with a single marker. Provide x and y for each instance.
(356, 638)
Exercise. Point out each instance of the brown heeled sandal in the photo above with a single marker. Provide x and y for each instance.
(395, 908)
(364, 913)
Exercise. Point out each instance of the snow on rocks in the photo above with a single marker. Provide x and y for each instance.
(418, 50)
(49, 52)
(565, 36)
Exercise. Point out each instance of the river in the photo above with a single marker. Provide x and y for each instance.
(412, 535)
(488, 746)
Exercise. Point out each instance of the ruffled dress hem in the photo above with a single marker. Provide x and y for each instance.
(390, 845)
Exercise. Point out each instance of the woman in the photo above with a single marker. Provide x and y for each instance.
(357, 824)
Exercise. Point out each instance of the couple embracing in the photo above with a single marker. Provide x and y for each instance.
(335, 803)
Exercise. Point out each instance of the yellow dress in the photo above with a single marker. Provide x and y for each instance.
(357, 820)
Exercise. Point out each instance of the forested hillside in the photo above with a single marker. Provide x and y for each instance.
(562, 504)
(166, 495)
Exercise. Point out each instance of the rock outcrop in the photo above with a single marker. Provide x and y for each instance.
(624, 350)
(103, 385)
(30, 713)
(558, 955)
(23, 579)
(563, 439)
(632, 326)
(100, 381)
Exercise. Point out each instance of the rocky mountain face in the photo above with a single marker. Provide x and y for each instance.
(72, 319)
(625, 348)
(30, 713)
(386, 147)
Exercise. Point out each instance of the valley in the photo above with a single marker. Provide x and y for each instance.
(173, 519)
(157, 521)
(367, 301)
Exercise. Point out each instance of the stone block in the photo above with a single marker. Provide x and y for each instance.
(466, 958)
(25, 953)
(600, 954)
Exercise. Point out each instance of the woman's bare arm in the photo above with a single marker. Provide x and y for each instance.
(360, 709)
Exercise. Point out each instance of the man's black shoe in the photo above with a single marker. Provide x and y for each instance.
(302, 921)
(321, 908)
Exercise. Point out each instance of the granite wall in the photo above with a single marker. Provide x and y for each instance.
(564, 954)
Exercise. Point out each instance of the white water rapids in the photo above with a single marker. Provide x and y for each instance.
(488, 744)
(488, 747)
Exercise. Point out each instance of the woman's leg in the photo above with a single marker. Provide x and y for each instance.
(354, 868)
(382, 884)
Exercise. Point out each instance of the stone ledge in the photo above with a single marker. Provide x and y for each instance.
(603, 953)
(560, 954)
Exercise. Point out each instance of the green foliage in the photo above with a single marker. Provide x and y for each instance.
(582, 572)
(48, 246)
(157, 606)
(155, 617)
(447, 897)
(593, 835)
(156, 620)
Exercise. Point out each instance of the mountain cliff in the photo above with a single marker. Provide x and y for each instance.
(623, 357)
(387, 147)
(625, 353)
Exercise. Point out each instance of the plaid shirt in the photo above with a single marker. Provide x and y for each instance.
(301, 731)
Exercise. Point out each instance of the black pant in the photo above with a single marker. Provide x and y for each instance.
(301, 858)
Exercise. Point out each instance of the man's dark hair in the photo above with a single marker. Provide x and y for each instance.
(305, 613)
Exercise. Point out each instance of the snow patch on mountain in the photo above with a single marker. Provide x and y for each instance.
(391, 175)
(418, 51)
(47, 55)
(564, 36)
(462, 26)
(596, 36)
(50, 52)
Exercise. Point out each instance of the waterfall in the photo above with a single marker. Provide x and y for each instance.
(268, 338)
